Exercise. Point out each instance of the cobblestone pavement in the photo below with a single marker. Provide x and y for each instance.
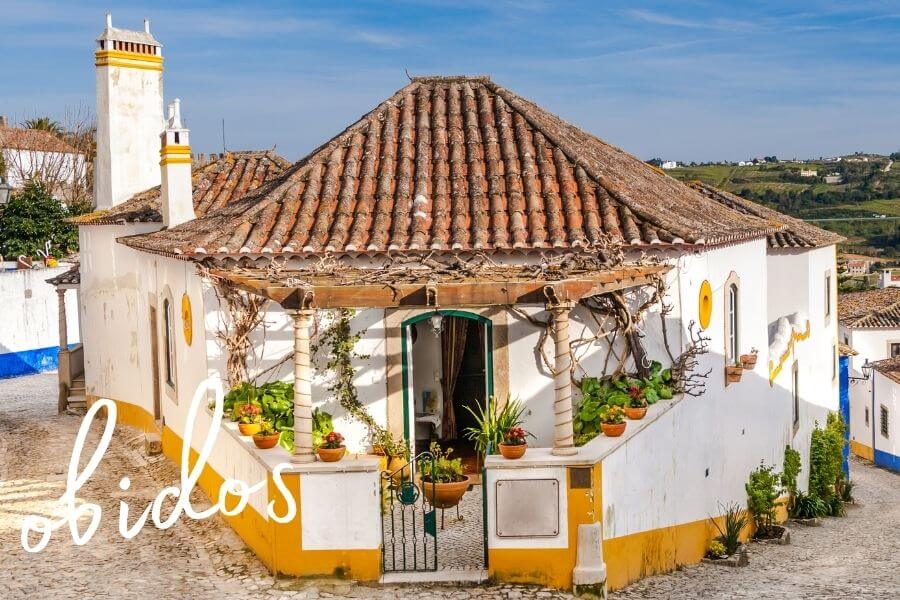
(853, 557)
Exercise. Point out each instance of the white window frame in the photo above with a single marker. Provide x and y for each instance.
(733, 320)
(828, 295)
(169, 362)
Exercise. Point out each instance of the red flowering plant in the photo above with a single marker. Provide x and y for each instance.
(249, 413)
(515, 436)
(333, 441)
(637, 397)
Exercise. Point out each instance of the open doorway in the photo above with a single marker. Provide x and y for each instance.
(449, 358)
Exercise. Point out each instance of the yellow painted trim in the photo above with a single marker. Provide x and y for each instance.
(175, 160)
(862, 451)
(134, 60)
(775, 370)
(706, 304)
(175, 149)
(278, 545)
(131, 415)
(187, 319)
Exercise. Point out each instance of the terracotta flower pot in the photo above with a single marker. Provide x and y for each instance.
(635, 413)
(249, 428)
(264, 442)
(445, 495)
(613, 429)
(331, 454)
(511, 451)
(400, 469)
(733, 373)
(748, 361)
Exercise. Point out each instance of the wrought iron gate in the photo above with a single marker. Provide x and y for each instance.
(408, 521)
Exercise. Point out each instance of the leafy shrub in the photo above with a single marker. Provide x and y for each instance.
(808, 507)
(716, 550)
(31, 218)
(442, 469)
(847, 491)
(836, 507)
(762, 496)
(826, 476)
(789, 474)
(612, 415)
(735, 518)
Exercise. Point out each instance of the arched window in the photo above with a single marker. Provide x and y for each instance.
(169, 341)
(732, 321)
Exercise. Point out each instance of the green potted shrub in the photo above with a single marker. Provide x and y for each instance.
(763, 491)
(332, 448)
(442, 477)
(267, 437)
(612, 420)
(492, 423)
(514, 444)
(249, 419)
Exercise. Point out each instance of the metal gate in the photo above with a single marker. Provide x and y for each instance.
(408, 521)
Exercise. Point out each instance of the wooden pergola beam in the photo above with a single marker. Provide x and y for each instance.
(327, 293)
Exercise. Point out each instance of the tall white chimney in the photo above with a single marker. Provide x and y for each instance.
(129, 71)
(175, 167)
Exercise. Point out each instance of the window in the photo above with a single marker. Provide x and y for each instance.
(884, 421)
(733, 343)
(828, 294)
(867, 417)
(895, 349)
(169, 341)
(796, 390)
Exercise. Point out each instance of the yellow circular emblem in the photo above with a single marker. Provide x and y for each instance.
(186, 320)
(706, 304)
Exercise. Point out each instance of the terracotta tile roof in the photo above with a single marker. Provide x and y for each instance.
(796, 233)
(872, 308)
(460, 163)
(70, 277)
(846, 350)
(889, 367)
(34, 140)
(216, 185)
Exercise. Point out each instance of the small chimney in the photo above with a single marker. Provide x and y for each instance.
(175, 164)
(146, 25)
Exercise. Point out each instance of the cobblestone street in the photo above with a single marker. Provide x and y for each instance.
(854, 557)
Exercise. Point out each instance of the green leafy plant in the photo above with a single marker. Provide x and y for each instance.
(735, 519)
(391, 447)
(836, 507)
(762, 497)
(826, 476)
(808, 507)
(492, 423)
(515, 437)
(716, 549)
(847, 491)
(31, 218)
(612, 415)
(442, 469)
(249, 413)
(266, 429)
(789, 474)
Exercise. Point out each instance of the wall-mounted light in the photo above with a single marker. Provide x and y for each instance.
(437, 322)
(5, 189)
(866, 371)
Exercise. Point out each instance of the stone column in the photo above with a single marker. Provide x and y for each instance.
(303, 441)
(563, 436)
(63, 326)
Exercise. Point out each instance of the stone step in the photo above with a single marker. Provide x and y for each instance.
(442, 576)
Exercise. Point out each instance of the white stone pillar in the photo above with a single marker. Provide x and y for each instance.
(303, 440)
(563, 436)
(63, 326)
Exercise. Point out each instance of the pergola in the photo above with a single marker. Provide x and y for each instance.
(558, 287)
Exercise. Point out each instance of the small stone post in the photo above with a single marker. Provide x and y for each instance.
(303, 440)
(563, 437)
(63, 326)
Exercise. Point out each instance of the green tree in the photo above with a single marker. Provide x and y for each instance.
(31, 218)
(45, 124)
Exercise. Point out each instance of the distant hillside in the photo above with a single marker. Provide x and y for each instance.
(864, 192)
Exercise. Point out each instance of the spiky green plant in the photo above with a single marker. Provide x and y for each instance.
(492, 422)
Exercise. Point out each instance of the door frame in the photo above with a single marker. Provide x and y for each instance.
(406, 367)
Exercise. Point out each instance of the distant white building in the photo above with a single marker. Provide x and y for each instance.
(31, 153)
(670, 164)
(808, 173)
(834, 178)
(887, 279)
(858, 267)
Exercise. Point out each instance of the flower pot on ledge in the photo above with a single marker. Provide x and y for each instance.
(331, 454)
(512, 451)
(748, 361)
(635, 413)
(733, 373)
(249, 428)
(613, 429)
(264, 442)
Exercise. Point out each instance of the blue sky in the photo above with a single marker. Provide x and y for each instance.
(686, 80)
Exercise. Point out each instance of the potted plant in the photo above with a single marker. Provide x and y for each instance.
(637, 403)
(249, 419)
(332, 448)
(267, 436)
(612, 420)
(733, 373)
(748, 361)
(442, 477)
(492, 423)
(514, 445)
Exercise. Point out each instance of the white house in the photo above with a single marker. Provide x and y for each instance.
(808, 172)
(870, 324)
(886, 279)
(670, 164)
(485, 247)
(30, 153)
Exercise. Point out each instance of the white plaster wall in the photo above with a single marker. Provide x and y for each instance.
(872, 345)
(351, 524)
(32, 310)
(129, 122)
(561, 540)
(22, 165)
(887, 394)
